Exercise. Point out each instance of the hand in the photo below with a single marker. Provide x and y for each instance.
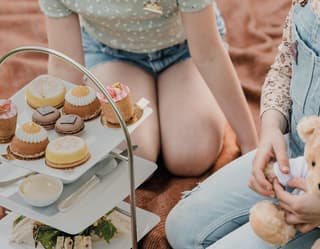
(301, 210)
(272, 146)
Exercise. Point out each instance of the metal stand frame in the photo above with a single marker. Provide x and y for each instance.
(115, 109)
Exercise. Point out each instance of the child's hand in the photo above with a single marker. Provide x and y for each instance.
(272, 146)
(303, 209)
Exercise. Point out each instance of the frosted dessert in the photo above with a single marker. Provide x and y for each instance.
(8, 120)
(30, 142)
(66, 152)
(121, 95)
(82, 101)
(45, 90)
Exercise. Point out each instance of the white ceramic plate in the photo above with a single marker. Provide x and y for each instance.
(111, 190)
(100, 140)
(9, 172)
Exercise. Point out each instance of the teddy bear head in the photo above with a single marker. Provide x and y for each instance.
(309, 131)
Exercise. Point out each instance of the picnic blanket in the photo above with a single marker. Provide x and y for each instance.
(254, 32)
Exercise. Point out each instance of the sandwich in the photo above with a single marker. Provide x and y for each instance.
(27, 231)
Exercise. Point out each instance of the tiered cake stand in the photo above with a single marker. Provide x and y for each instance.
(111, 190)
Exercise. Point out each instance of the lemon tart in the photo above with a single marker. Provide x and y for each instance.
(67, 152)
(45, 90)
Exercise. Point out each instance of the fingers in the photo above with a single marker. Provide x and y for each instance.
(293, 219)
(258, 181)
(253, 184)
(283, 196)
(280, 150)
(293, 205)
(305, 228)
(299, 183)
(286, 207)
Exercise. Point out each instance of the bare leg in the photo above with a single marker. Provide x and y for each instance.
(192, 124)
(142, 85)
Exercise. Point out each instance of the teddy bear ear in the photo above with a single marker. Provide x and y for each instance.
(307, 126)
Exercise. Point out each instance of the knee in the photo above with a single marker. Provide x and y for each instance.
(193, 158)
(187, 166)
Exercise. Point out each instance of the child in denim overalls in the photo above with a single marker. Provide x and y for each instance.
(216, 212)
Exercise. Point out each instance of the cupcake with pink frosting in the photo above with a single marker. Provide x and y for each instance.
(121, 95)
(8, 120)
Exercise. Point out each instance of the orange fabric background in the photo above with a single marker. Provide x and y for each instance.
(254, 31)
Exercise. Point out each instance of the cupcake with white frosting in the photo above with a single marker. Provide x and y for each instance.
(82, 101)
(30, 141)
(121, 95)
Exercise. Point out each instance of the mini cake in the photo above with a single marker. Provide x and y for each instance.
(121, 95)
(69, 124)
(83, 101)
(66, 152)
(46, 116)
(29, 142)
(46, 90)
(8, 120)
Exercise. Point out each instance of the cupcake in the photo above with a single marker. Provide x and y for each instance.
(46, 90)
(29, 142)
(8, 120)
(83, 101)
(69, 124)
(66, 152)
(46, 116)
(121, 95)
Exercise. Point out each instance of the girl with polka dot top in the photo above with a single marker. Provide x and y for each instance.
(172, 53)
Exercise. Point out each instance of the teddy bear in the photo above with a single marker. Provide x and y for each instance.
(267, 219)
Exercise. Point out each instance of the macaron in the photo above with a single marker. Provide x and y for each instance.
(69, 124)
(46, 116)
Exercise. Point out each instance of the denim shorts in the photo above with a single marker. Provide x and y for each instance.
(96, 52)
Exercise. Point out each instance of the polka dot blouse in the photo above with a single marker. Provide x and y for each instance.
(124, 24)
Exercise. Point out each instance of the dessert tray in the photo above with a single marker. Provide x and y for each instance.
(99, 138)
(123, 176)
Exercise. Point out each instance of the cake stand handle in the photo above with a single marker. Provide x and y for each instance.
(115, 109)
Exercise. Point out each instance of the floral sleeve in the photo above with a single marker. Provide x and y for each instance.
(276, 88)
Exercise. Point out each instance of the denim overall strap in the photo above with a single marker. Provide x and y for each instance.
(305, 82)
